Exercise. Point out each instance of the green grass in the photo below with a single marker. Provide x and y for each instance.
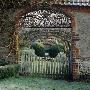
(36, 83)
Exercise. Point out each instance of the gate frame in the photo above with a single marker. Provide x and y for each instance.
(74, 49)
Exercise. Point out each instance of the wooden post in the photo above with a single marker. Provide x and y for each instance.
(17, 47)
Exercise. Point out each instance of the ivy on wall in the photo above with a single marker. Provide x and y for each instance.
(7, 9)
(8, 4)
(6, 27)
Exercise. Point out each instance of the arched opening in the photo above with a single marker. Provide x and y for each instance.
(50, 32)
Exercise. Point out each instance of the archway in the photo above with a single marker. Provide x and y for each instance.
(49, 20)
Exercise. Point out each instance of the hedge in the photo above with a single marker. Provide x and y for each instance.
(9, 71)
(3, 62)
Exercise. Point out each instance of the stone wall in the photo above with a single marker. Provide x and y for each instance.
(83, 29)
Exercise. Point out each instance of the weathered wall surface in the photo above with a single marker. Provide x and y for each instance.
(83, 29)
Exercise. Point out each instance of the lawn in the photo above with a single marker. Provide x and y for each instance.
(36, 83)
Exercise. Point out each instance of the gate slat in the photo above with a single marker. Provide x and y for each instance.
(43, 67)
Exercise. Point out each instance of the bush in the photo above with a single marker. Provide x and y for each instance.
(55, 49)
(3, 62)
(9, 71)
(39, 49)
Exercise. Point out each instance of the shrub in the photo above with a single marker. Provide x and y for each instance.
(3, 62)
(55, 49)
(39, 49)
(9, 71)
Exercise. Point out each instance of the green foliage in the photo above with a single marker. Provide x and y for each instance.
(55, 49)
(39, 49)
(9, 71)
(3, 62)
(60, 47)
(40, 52)
(37, 45)
(24, 44)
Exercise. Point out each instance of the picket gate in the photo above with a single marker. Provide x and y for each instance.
(45, 67)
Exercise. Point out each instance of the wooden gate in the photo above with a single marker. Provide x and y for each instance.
(43, 66)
